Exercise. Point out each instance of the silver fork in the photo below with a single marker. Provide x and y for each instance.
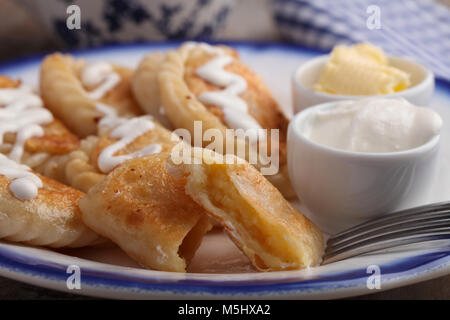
(420, 224)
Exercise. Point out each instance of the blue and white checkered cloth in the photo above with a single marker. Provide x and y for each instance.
(419, 29)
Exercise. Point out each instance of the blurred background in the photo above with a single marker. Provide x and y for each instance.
(416, 28)
(40, 25)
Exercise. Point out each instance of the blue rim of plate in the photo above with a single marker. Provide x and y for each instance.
(424, 266)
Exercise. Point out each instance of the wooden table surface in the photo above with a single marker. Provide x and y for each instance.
(24, 36)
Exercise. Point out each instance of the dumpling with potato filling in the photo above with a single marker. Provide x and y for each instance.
(272, 233)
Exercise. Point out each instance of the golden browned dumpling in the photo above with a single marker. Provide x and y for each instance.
(72, 89)
(56, 139)
(265, 226)
(145, 86)
(35, 209)
(107, 115)
(200, 82)
(77, 169)
(52, 218)
(82, 168)
(32, 135)
(145, 210)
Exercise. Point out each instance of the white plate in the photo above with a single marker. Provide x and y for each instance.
(219, 270)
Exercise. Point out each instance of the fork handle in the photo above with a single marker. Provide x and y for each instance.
(359, 249)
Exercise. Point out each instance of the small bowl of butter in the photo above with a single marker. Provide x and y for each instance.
(351, 160)
(360, 71)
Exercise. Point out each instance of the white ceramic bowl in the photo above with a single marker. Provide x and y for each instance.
(344, 188)
(303, 79)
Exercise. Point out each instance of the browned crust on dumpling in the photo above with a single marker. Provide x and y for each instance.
(7, 82)
(261, 104)
(57, 139)
(51, 219)
(180, 88)
(145, 210)
(121, 97)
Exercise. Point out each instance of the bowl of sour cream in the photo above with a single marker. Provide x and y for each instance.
(353, 160)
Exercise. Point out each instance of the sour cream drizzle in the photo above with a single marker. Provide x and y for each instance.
(126, 130)
(102, 75)
(22, 113)
(234, 108)
(129, 130)
(24, 184)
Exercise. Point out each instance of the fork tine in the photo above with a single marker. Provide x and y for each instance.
(403, 214)
(390, 232)
(386, 244)
(422, 219)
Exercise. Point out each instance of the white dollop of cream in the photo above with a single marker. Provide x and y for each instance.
(374, 125)
(100, 76)
(21, 113)
(24, 184)
(234, 108)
